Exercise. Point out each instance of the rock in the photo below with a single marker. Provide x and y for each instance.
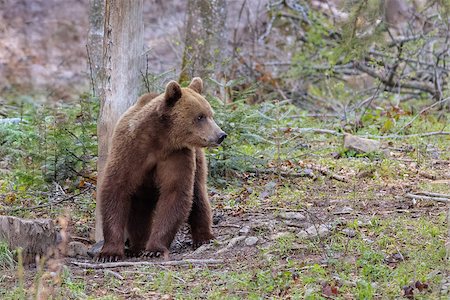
(349, 232)
(292, 215)
(75, 249)
(95, 249)
(244, 230)
(233, 242)
(344, 210)
(279, 235)
(314, 231)
(361, 145)
(251, 241)
(35, 237)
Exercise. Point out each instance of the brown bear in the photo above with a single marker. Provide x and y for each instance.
(155, 174)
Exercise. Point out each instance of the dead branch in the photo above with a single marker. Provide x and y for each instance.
(419, 197)
(284, 174)
(412, 84)
(184, 262)
(330, 174)
(433, 194)
(115, 274)
(421, 112)
(394, 136)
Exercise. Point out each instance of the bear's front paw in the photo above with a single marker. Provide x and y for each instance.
(201, 239)
(104, 257)
(156, 251)
(110, 253)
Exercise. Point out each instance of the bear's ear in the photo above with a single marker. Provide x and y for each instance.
(172, 93)
(196, 85)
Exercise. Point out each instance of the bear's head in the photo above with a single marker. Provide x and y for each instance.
(191, 116)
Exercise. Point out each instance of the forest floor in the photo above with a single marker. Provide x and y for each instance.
(288, 237)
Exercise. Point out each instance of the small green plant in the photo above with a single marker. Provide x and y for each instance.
(50, 145)
(7, 260)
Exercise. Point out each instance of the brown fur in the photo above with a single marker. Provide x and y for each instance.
(155, 175)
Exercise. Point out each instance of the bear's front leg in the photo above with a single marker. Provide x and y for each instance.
(115, 208)
(200, 218)
(175, 178)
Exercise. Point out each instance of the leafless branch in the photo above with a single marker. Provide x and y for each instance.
(185, 262)
(419, 197)
(412, 84)
(420, 113)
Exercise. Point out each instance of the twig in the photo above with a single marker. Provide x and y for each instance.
(115, 274)
(10, 121)
(421, 112)
(330, 174)
(438, 199)
(314, 130)
(284, 174)
(415, 85)
(394, 136)
(433, 194)
(147, 263)
(46, 204)
(91, 72)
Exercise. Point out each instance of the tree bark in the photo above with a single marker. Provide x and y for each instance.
(95, 44)
(205, 39)
(123, 62)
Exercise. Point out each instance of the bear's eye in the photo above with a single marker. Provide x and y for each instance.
(200, 117)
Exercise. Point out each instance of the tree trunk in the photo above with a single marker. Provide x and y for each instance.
(35, 237)
(205, 39)
(95, 44)
(123, 62)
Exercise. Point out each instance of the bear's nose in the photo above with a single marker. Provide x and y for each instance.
(222, 136)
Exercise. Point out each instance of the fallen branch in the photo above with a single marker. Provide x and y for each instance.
(394, 136)
(112, 273)
(284, 174)
(321, 170)
(10, 121)
(420, 197)
(147, 263)
(330, 174)
(433, 194)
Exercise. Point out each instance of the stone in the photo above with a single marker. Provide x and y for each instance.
(344, 210)
(292, 215)
(360, 145)
(95, 249)
(244, 230)
(349, 232)
(314, 231)
(279, 235)
(251, 241)
(77, 249)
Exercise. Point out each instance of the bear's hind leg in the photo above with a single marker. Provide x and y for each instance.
(175, 177)
(139, 223)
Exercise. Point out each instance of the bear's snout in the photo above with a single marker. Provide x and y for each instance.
(222, 136)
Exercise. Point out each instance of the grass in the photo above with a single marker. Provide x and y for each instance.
(395, 243)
